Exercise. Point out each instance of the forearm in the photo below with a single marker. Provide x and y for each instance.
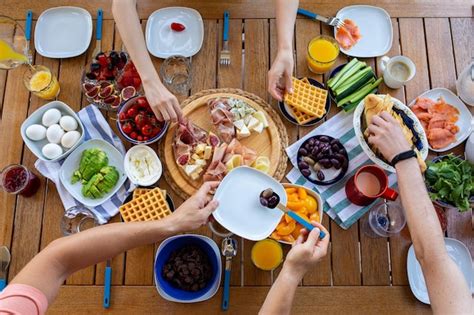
(285, 19)
(128, 24)
(280, 298)
(446, 285)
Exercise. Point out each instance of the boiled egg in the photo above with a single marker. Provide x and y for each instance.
(54, 133)
(70, 138)
(52, 151)
(68, 123)
(51, 117)
(36, 132)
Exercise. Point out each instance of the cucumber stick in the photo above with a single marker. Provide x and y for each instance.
(345, 69)
(353, 83)
(359, 95)
(350, 106)
(359, 65)
(351, 80)
(367, 79)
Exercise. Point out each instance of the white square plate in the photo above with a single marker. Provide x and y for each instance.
(71, 164)
(465, 118)
(458, 253)
(375, 28)
(63, 32)
(240, 210)
(163, 42)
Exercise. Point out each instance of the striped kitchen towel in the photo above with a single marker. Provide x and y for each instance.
(336, 204)
(95, 127)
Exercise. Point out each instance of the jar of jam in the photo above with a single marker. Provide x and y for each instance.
(17, 179)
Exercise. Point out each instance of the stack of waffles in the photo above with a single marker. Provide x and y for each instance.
(146, 205)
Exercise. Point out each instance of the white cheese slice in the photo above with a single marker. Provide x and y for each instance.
(243, 133)
(239, 124)
(259, 128)
(191, 169)
(207, 152)
(253, 122)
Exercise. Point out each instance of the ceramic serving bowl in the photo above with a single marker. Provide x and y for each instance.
(171, 293)
(409, 118)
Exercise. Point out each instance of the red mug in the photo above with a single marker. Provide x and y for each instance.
(364, 195)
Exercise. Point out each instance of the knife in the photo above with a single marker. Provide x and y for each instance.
(107, 281)
(4, 262)
(29, 20)
(98, 34)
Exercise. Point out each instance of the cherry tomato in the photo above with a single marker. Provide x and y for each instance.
(140, 120)
(146, 138)
(122, 116)
(102, 60)
(134, 135)
(127, 128)
(142, 102)
(153, 121)
(139, 138)
(147, 130)
(132, 112)
(177, 27)
(155, 131)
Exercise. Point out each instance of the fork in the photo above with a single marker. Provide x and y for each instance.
(98, 34)
(225, 52)
(332, 21)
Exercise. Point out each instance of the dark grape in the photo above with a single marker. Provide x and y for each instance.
(303, 165)
(320, 175)
(306, 172)
(303, 151)
(335, 163)
(273, 201)
(263, 202)
(311, 141)
(324, 139)
(315, 151)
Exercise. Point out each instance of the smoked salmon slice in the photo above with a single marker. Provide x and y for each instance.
(438, 118)
(348, 35)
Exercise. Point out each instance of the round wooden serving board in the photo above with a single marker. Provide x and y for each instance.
(272, 142)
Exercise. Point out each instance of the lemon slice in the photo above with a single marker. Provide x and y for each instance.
(235, 161)
(262, 163)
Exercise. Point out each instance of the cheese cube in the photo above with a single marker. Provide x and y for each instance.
(243, 133)
(239, 124)
(200, 148)
(261, 117)
(191, 169)
(195, 157)
(259, 128)
(207, 152)
(253, 122)
(200, 162)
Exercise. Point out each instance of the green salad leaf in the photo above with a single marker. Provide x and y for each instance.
(451, 180)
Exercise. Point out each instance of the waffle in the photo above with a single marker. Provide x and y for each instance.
(141, 191)
(149, 206)
(307, 99)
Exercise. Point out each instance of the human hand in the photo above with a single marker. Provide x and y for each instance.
(387, 136)
(195, 211)
(307, 250)
(163, 103)
(279, 76)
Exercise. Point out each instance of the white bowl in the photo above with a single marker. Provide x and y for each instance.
(365, 146)
(71, 164)
(36, 117)
(126, 164)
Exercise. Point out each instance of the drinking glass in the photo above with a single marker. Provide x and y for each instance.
(13, 48)
(17, 179)
(176, 74)
(385, 219)
(40, 81)
(322, 53)
(77, 219)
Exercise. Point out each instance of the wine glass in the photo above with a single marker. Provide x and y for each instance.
(385, 219)
(13, 46)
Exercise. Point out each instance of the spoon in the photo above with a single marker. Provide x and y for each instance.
(229, 250)
(271, 200)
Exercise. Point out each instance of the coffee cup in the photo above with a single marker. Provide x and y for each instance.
(397, 71)
(369, 183)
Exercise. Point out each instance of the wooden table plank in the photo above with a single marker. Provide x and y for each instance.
(246, 300)
(248, 9)
(463, 41)
(256, 65)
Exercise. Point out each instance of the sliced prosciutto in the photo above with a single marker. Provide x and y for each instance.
(348, 35)
(222, 118)
(438, 119)
(217, 169)
(187, 136)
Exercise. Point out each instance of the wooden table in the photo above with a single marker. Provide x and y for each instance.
(359, 274)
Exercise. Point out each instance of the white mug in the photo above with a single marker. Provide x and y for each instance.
(394, 80)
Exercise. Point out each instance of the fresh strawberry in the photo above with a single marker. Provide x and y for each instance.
(177, 27)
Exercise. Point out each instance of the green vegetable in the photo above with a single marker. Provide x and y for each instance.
(101, 183)
(355, 82)
(92, 160)
(359, 95)
(350, 106)
(451, 180)
(344, 70)
(347, 74)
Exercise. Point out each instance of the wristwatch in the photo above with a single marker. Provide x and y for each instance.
(403, 156)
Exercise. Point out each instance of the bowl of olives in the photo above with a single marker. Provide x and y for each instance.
(322, 160)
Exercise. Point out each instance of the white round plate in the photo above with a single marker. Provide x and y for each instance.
(63, 32)
(239, 209)
(365, 146)
(458, 253)
(126, 165)
(375, 28)
(163, 42)
(71, 164)
(465, 118)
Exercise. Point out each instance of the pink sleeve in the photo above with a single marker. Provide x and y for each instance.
(22, 299)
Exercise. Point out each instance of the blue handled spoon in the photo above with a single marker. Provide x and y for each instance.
(271, 200)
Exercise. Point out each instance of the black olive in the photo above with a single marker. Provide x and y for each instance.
(306, 172)
(308, 147)
(303, 151)
(320, 175)
(263, 202)
(315, 151)
(336, 163)
(311, 141)
(273, 201)
(335, 147)
(303, 165)
(267, 193)
(324, 139)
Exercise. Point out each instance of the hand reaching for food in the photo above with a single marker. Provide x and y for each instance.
(387, 136)
(163, 103)
(279, 76)
(307, 250)
(195, 211)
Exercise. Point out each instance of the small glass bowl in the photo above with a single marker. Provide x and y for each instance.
(176, 73)
(77, 219)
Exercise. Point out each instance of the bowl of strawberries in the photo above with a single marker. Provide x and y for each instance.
(110, 79)
(138, 124)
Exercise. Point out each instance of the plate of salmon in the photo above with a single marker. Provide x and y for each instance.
(367, 31)
(446, 120)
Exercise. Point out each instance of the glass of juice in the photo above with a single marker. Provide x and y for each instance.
(78, 219)
(17, 179)
(322, 53)
(267, 254)
(40, 81)
(13, 47)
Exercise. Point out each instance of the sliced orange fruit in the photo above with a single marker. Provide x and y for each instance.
(286, 229)
(302, 193)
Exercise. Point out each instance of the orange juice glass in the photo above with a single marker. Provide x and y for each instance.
(40, 81)
(322, 53)
(267, 254)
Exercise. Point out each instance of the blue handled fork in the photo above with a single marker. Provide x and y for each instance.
(98, 33)
(225, 52)
(332, 21)
(29, 21)
(107, 283)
